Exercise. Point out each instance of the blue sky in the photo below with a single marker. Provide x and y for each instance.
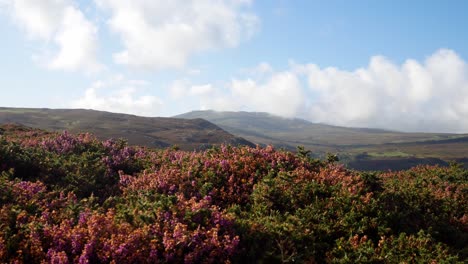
(388, 64)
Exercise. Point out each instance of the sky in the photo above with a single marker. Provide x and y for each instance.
(399, 65)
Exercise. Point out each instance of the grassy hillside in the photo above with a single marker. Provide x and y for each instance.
(152, 132)
(68, 198)
(376, 145)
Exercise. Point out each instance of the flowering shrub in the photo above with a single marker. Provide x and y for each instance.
(68, 198)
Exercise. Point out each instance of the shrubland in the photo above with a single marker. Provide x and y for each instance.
(68, 198)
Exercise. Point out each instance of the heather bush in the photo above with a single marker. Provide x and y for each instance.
(68, 198)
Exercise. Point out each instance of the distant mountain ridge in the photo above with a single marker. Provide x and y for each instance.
(363, 148)
(266, 128)
(148, 131)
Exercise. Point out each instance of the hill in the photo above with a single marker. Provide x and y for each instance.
(149, 131)
(356, 146)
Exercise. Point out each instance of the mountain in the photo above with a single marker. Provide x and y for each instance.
(148, 131)
(374, 147)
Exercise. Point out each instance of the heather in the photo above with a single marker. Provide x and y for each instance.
(67, 198)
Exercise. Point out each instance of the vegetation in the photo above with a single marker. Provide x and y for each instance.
(68, 198)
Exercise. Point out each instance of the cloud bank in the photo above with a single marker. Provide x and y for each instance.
(163, 34)
(430, 96)
(70, 38)
(415, 96)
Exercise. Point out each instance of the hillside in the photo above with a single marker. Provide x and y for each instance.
(368, 144)
(152, 132)
(68, 198)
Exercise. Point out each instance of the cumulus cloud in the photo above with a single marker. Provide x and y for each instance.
(414, 96)
(119, 95)
(70, 38)
(278, 93)
(163, 34)
(182, 88)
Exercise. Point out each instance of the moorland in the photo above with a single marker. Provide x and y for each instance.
(72, 198)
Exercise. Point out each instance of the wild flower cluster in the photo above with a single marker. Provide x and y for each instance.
(68, 198)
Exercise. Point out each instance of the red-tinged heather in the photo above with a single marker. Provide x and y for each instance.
(28, 190)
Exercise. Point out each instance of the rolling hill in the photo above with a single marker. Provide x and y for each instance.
(376, 148)
(152, 132)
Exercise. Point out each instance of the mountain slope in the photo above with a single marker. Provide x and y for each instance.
(362, 148)
(152, 132)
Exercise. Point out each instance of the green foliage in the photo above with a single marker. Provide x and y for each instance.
(302, 152)
(418, 248)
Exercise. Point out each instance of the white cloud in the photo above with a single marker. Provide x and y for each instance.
(414, 96)
(180, 89)
(279, 93)
(39, 19)
(163, 34)
(77, 41)
(71, 39)
(120, 97)
(200, 90)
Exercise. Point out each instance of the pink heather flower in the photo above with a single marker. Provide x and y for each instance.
(83, 218)
(122, 250)
(88, 250)
(29, 189)
(224, 149)
(224, 164)
(125, 180)
(83, 259)
(57, 257)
